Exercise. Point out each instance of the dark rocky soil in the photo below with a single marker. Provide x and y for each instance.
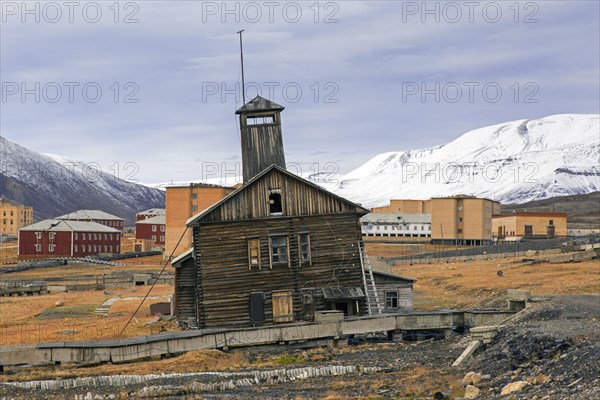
(553, 346)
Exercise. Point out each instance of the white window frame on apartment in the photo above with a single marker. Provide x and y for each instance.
(162, 228)
(162, 239)
(51, 235)
(75, 236)
(75, 249)
(111, 237)
(38, 235)
(154, 237)
(153, 228)
(38, 247)
(51, 248)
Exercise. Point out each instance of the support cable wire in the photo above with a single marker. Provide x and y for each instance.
(167, 262)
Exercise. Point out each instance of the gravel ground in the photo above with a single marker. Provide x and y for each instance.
(553, 346)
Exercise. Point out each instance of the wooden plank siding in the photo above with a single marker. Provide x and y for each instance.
(402, 287)
(185, 288)
(298, 198)
(226, 277)
(262, 145)
(226, 281)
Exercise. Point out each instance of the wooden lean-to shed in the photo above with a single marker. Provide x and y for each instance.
(395, 291)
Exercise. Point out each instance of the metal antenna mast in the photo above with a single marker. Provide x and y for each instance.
(242, 58)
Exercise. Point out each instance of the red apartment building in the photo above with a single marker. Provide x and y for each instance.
(98, 216)
(153, 212)
(63, 238)
(152, 229)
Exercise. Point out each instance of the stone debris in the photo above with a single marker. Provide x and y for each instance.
(513, 387)
(471, 392)
(471, 378)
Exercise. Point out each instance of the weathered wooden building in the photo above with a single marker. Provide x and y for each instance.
(395, 292)
(275, 250)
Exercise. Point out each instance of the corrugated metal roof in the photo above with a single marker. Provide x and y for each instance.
(397, 218)
(60, 225)
(89, 214)
(343, 293)
(158, 220)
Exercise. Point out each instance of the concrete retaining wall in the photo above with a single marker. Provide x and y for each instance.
(178, 342)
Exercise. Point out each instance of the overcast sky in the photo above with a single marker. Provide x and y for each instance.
(356, 78)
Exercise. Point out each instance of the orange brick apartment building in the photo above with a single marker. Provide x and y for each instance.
(14, 216)
(182, 203)
(457, 219)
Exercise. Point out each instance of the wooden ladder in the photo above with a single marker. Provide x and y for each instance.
(373, 304)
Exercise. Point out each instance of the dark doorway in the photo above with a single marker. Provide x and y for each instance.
(257, 308)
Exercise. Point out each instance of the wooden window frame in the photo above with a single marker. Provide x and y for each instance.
(287, 244)
(385, 298)
(251, 240)
(300, 260)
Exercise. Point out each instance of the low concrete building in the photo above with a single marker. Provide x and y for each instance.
(411, 227)
(581, 230)
(530, 225)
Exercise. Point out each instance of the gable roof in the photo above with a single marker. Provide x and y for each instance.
(190, 222)
(259, 104)
(393, 276)
(61, 225)
(89, 214)
(156, 220)
(189, 253)
(155, 211)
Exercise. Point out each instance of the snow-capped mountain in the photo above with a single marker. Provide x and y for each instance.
(513, 162)
(56, 185)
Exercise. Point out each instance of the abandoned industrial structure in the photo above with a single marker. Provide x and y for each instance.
(277, 249)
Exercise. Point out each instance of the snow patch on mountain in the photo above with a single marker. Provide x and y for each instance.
(512, 162)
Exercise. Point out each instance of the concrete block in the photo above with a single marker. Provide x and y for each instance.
(518, 294)
(469, 351)
(329, 316)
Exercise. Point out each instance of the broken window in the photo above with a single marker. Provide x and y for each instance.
(275, 207)
(304, 248)
(279, 250)
(391, 299)
(253, 253)
(260, 119)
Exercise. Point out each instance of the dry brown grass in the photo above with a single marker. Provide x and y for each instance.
(34, 319)
(8, 252)
(463, 284)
